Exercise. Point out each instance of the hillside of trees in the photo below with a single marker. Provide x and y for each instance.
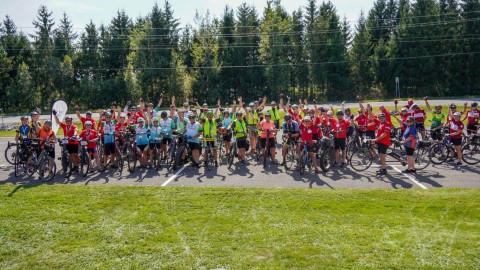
(433, 46)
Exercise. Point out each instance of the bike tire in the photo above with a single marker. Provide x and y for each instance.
(233, 152)
(361, 159)
(301, 165)
(265, 156)
(439, 153)
(352, 146)
(84, 164)
(10, 153)
(132, 158)
(471, 154)
(17, 165)
(66, 166)
(422, 159)
(326, 159)
(178, 157)
(47, 173)
(290, 158)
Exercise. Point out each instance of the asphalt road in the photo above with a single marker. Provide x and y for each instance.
(8, 120)
(254, 175)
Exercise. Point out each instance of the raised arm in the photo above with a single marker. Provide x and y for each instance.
(427, 104)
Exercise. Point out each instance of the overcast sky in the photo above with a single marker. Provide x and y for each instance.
(23, 12)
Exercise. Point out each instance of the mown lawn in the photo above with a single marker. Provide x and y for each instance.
(114, 227)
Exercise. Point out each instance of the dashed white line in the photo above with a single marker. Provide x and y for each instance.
(174, 176)
(409, 177)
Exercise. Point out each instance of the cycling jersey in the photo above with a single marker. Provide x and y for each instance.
(87, 135)
(267, 126)
(192, 131)
(167, 126)
(226, 122)
(410, 132)
(24, 131)
(419, 116)
(473, 116)
(141, 137)
(340, 127)
(455, 127)
(47, 135)
(155, 132)
(239, 128)
(437, 119)
(119, 128)
(306, 132)
(108, 131)
(181, 125)
(295, 116)
(361, 120)
(384, 128)
(70, 131)
(292, 128)
(387, 115)
(375, 124)
(83, 120)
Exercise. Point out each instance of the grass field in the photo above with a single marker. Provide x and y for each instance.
(113, 227)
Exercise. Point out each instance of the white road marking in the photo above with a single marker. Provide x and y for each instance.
(5, 165)
(409, 177)
(174, 176)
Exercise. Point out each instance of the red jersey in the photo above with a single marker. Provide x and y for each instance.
(403, 126)
(387, 115)
(295, 116)
(473, 116)
(419, 116)
(386, 128)
(89, 135)
(372, 123)
(69, 131)
(340, 127)
(361, 120)
(83, 120)
(455, 127)
(306, 132)
(119, 128)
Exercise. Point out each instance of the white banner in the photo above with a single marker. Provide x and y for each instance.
(61, 107)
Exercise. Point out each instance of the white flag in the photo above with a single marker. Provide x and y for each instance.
(61, 107)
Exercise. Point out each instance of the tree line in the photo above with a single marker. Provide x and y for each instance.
(432, 46)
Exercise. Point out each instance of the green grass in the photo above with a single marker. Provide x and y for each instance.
(51, 227)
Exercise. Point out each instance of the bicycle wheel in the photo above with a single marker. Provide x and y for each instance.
(361, 159)
(439, 153)
(221, 152)
(46, 172)
(290, 157)
(10, 153)
(352, 146)
(17, 166)
(131, 158)
(258, 150)
(178, 157)
(119, 158)
(301, 163)
(422, 159)
(471, 154)
(84, 164)
(267, 148)
(233, 152)
(67, 166)
(326, 159)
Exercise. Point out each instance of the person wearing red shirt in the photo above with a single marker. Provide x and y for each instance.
(473, 115)
(456, 132)
(70, 131)
(317, 131)
(307, 133)
(88, 117)
(419, 116)
(361, 122)
(91, 136)
(383, 142)
(372, 121)
(408, 106)
(294, 111)
(453, 109)
(403, 121)
(387, 113)
(339, 126)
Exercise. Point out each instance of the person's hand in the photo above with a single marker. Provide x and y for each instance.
(54, 112)
(343, 103)
(129, 102)
(305, 101)
(173, 99)
(357, 97)
(288, 98)
(425, 98)
(77, 107)
(395, 101)
(465, 104)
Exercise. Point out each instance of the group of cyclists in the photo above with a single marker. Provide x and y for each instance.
(252, 126)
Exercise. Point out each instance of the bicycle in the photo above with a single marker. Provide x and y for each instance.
(266, 149)
(183, 149)
(471, 151)
(41, 163)
(157, 155)
(22, 155)
(291, 155)
(209, 160)
(356, 141)
(441, 151)
(327, 148)
(84, 158)
(10, 152)
(304, 160)
(67, 164)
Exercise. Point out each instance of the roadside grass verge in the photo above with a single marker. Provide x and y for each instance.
(115, 227)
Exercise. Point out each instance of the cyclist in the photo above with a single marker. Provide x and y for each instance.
(252, 122)
(473, 116)
(419, 115)
(193, 131)
(88, 117)
(340, 126)
(294, 111)
(291, 131)
(383, 142)
(274, 114)
(168, 127)
(91, 136)
(265, 125)
(438, 119)
(70, 131)
(361, 121)
(239, 127)
(22, 134)
(408, 106)
(453, 110)
(210, 131)
(404, 115)
(46, 134)
(108, 134)
(456, 132)
(154, 134)
(227, 136)
(307, 137)
(409, 142)
(141, 140)
(35, 124)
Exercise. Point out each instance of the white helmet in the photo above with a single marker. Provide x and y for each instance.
(155, 119)
(88, 123)
(141, 120)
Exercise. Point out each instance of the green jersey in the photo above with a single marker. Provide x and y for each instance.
(437, 119)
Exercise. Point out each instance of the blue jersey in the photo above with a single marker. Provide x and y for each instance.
(141, 137)
(410, 132)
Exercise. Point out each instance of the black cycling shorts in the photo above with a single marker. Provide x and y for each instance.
(158, 145)
(472, 128)
(141, 147)
(167, 140)
(382, 148)
(409, 151)
(420, 126)
(72, 148)
(109, 148)
(242, 143)
(340, 143)
(194, 146)
(437, 135)
(456, 141)
(263, 142)
(227, 137)
(370, 134)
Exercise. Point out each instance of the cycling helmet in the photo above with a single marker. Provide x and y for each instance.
(88, 123)
(68, 117)
(268, 114)
(251, 104)
(122, 115)
(330, 113)
(256, 102)
(150, 105)
(226, 112)
(23, 117)
(48, 122)
(273, 103)
(205, 105)
(453, 106)
(404, 109)
(141, 120)
(474, 104)
(163, 114)
(438, 107)
(155, 119)
(410, 118)
(457, 114)
(133, 108)
(88, 113)
(287, 117)
(210, 112)
(108, 114)
(239, 113)
(414, 106)
(340, 112)
(381, 115)
(295, 106)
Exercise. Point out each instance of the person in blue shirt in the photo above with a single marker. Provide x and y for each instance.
(409, 142)
(141, 140)
(291, 131)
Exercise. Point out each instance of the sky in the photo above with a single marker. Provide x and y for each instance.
(80, 12)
